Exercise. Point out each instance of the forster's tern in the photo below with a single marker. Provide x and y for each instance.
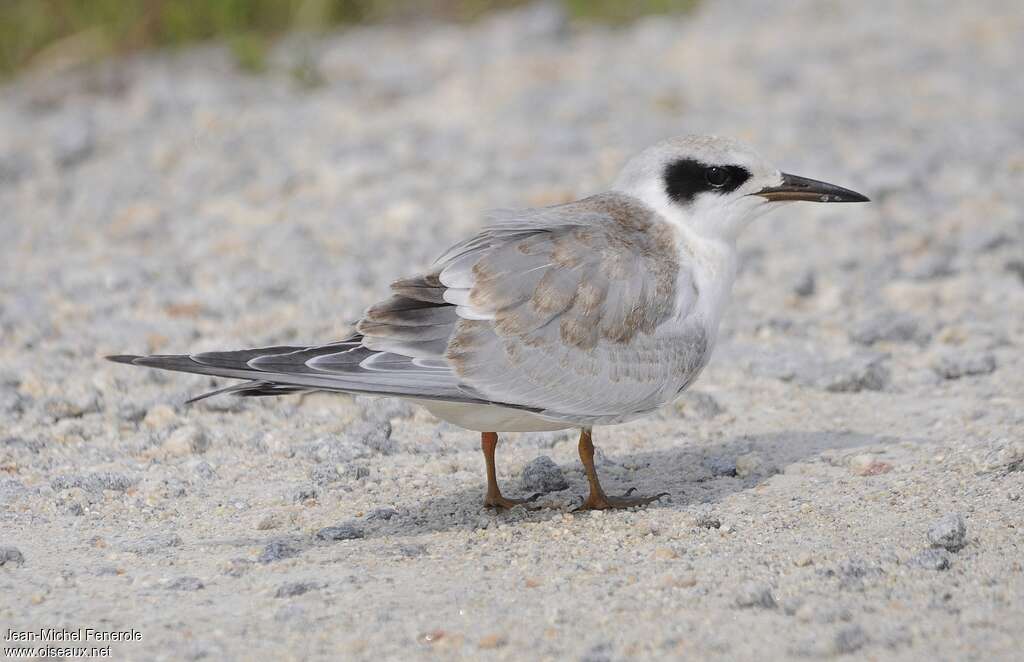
(589, 313)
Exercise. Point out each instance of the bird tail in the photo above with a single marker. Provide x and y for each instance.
(236, 364)
(345, 366)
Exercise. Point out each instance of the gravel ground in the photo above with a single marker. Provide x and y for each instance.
(846, 479)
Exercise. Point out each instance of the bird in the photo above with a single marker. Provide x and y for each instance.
(584, 314)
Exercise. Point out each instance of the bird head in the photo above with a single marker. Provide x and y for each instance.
(716, 186)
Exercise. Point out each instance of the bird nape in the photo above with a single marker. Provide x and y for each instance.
(594, 312)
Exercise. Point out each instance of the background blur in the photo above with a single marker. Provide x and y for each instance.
(43, 34)
(187, 176)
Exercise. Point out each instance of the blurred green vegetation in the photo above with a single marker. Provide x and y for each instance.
(54, 32)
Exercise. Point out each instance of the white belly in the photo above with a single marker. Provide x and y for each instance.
(489, 418)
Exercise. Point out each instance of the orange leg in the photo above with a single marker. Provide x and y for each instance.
(597, 499)
(493, 498)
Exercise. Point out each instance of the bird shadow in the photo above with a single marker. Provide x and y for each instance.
(692, 474)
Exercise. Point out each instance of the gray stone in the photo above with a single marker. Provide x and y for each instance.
(293, 589)
(854, 374)
(698, 404)
(344, 531)
(74, 141)
(754, 594)
(931, 559)
(937, 264)
(955, 365)
(334, 450)
(14, 166)
(277, 551)
(984, 240)
(186, 440)
(754, 464)
(721, 466)
(948, 532)
(889, 327)
(11, 489)
(12, 556)
(324, 474)
(706, 521)
(152, 543)
(381, 410)
(381, 514)
(999, 455)
(1016, 267)
(97, 482)
(805, 285)
(374, 435)
(412, 551)
(203, 470)
(74, 401)
(542, 475)
(185, 584)
(303, 494)
(850, 639)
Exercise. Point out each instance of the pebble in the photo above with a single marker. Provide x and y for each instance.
(346, 531)
(382, 514)
(379, 410)
(931, 559)
(957, 365)
(698, 404)
(542, 475)
(754, 594)
(754, 464)
(805, 285)
(160, 417)
(152, 543)
(267, 522)
(865, 372)
(187, 440)
(374, 435)
(999, 455)
(949, 532)
(74, 141)
(889, 327)
(293, 589)
(850, 639)
(492, 641)
(708, 522)
(74, 401)
(721, 466)
(303, 494)
(185, 584)
(1016, 267)
(324, 474)
(106, 480)
(11, 555)
(868, 464)
(679, 581)
(277, 551)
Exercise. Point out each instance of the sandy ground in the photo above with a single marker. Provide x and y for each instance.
(845, 479)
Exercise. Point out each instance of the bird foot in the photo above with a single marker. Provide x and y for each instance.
(500, 502)
(601, 501)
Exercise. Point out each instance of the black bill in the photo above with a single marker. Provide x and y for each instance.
(795, 187)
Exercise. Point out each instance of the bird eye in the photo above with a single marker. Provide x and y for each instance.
(717, 177)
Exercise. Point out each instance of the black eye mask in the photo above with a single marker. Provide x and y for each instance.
(685, 178)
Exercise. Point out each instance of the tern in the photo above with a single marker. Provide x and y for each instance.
(594, 312)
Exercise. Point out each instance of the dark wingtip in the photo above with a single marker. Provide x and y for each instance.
(123, 358)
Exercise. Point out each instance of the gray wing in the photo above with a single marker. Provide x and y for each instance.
(582, 311)
(577, 311)
(583, 320)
